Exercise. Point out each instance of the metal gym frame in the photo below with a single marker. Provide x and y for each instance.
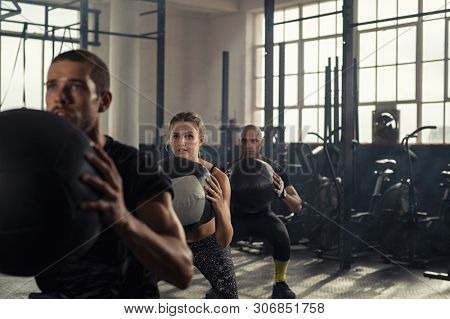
(85, 12)
(349, 100)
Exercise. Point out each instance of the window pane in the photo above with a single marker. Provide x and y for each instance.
(278, 16)
(433, 114)
(406, 84)
(327, 49)
(311, 56)
(386, 83)
(291, 31)
(321, 122)
(340, 86)
(291, 58)
(275, 90)
(309, 124)
(259, 93)
(12, 83)
(310, 10)
(433, 5)
(339, 22)
(291, 124)
(407, 7)
(275, 118)
(367, 85)
(9, 26)
(259, 68)
(408, 119)
(291, 90)
(386, 47)
(258, 118)
(365, 123)
(339, 50)
(48, 57)
(327, 24)
(311, 89)
(340, 117)
(448, 84)
(278, 33)
(448, 39)
(291, 14)
(33, 74)
(367, 10)
(32, 14)
(62, 18)
(327, 7)
(322, 88)
(407, 45)
(433, 40)
(447, 123)
(310, 27)
(367, 49)
(387, 9)
(276, 60)
(433, 81)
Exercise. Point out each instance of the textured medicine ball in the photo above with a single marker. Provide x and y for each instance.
(188, 182)
(41, 161)
(252, 187)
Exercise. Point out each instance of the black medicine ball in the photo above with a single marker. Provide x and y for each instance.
(188, 182)
(252, 187)
(41, 161)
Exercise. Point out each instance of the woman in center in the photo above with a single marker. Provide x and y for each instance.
(209, 242)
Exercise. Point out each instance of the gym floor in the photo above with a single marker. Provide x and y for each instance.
(310, 277)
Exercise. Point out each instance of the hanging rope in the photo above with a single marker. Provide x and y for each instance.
(62, 42)
(70, 37)
(24, 100)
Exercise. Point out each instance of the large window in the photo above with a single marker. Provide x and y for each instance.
(403, 65)
(308, 45)
(17, 81)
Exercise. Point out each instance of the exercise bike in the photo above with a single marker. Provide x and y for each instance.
(444, 217)
(405, 237)
(321, 212)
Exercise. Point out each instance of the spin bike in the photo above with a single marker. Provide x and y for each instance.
(405, 237)
(444, 217)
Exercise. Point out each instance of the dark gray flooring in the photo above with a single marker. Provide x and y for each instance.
(308, 276)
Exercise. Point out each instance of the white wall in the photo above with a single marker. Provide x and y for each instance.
(227, 33)
(193, 62)
(193, 77)
(186, 62)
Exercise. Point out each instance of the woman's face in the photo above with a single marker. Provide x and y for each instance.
(185, 140)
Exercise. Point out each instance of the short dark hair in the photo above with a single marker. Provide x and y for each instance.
(99, 71)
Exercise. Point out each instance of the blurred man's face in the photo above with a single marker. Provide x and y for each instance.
(251, 143)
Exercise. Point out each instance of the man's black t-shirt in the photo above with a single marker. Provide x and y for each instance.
(108, 269)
